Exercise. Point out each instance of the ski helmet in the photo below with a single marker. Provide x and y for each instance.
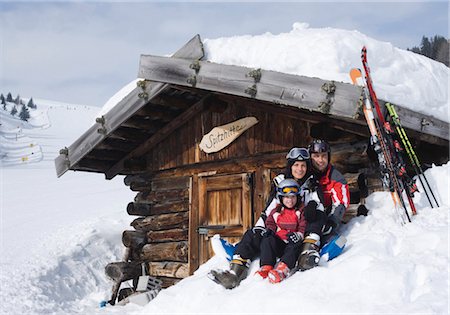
(288, 187)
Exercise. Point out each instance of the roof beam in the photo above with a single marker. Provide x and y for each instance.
(163, 133)
(328, 97)
(192, 50)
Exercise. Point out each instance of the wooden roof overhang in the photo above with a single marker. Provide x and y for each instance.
(177, 88)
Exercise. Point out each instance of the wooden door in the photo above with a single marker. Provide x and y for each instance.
(225, 208)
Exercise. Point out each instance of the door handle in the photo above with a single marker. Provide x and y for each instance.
(203, 230)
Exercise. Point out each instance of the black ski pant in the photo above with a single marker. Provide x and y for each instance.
(272, 247)
(316, 225)
(249, 246)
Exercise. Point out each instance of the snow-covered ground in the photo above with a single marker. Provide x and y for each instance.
(57, 235)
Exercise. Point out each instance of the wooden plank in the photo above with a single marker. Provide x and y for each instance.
(273, 86)
(422, 123)
(192, 50)
(161, 135)
(193, 240)
(168, 269)
(172, 251)
(280, 88)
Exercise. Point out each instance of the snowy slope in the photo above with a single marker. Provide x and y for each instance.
(57, 234)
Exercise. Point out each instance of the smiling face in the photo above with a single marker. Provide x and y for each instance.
(299, 169)
(290, 201)
(320, 161)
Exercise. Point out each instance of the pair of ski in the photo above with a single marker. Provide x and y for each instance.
(388, 149)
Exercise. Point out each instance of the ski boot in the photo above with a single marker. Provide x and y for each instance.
(263, 272)
(309, 257)
(230, 279)
(279, 273)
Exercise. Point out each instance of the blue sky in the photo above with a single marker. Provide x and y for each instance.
(83, 52)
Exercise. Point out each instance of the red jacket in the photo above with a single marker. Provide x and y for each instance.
(335, 188)
(283, 221)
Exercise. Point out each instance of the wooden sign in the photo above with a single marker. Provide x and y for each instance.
(221, 136)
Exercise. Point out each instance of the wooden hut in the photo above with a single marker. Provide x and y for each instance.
(193, 180)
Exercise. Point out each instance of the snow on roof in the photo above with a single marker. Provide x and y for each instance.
(402, 77)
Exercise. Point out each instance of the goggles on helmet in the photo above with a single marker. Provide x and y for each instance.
(319, 146)
(299, 154)
(289, 190)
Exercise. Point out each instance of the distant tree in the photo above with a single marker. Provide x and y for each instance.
(9, 98)
(17, 100)
(13, 111)
(436, 48)
(24, 113)
(31, 104)
(2, 98)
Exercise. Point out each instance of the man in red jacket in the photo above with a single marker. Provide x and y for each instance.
(336, 201)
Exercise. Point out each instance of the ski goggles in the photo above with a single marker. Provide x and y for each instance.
(298, 154)
(319, 147)
(288, 190)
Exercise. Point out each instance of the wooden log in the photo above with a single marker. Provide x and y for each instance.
(134, 239)
(168, 282)
(168, 269)
(162, 222)
(173, 251)
(162, 196)
(167, 235)
(123, 271)
(148, 209)
(142, 183)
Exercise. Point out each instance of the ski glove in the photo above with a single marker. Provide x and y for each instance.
(294, 237)
(311, 211)
(259, 230)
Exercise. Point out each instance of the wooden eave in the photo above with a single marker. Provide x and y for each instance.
(176, 88)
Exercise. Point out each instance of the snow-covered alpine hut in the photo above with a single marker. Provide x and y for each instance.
(200, 141)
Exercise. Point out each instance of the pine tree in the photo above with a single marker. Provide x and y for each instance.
(24, 113)
(9, 98)
(13, 111)
(436, 48)
(425, 47)
(2, 99)
(31, 104)
(17, 100)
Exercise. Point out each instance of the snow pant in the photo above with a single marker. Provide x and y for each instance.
(272, 247)
(316, 225)
(249, 246)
